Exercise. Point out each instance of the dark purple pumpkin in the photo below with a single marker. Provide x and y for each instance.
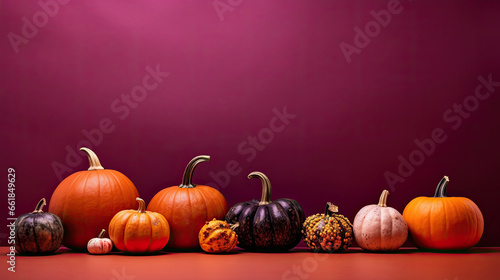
(267, 225)
(38, 232)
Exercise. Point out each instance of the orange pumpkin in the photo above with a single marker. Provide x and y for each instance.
(139, 231)
(187, 207)
(87, 200)
(444, 223)
(217, 237)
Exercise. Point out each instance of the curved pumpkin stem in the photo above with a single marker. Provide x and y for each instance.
(95, 164)
(187, 178)
(266, 186)
(441, 187)
(234, 226)
(40, 205)
(382, 202)
(102, 233)
(331, 209)
(142, 205)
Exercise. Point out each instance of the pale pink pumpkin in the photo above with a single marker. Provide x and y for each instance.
(380, 228)
(100, 245)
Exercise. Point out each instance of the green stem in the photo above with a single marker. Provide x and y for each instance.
(266, 186)
(188, 172)
(441, 187)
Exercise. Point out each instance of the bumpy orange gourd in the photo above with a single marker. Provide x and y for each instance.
(328, 232)
(187, 207)
(444, 223)
(87, 200)
(139, 231)
(217, 237)
(100, 245)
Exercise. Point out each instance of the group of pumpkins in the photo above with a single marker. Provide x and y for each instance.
(190, 217)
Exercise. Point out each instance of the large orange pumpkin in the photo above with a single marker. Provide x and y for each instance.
(444, 223)
(187, 207)
(139, 231)
(87, 200)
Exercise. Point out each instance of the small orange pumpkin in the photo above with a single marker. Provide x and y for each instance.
(444, 223)
(139, 231)
(100, 245)
(217, 236)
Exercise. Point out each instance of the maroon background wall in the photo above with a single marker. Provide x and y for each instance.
(233, 66)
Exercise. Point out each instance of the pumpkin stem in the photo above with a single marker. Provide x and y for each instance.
(188, 172)
(266, 186)
(382, 202)
(142, 205)
(102, 233)
(95, 164)
(234, 226)
(331, 209)
(441, 187)
(40, 205)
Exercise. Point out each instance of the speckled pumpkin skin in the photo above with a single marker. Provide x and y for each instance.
(217, 237)
(38, 233)
(327, 233)
(267, 228)
(379, 228)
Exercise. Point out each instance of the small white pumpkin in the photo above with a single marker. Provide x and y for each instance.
(380, 228)
(100, 245)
